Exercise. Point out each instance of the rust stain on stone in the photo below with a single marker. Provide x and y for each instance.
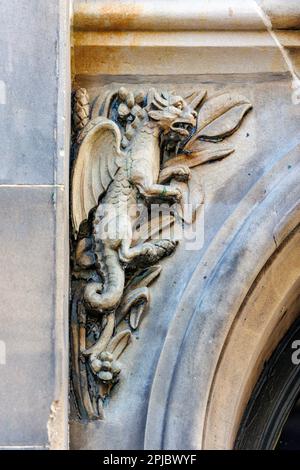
(106, 17)
(122, 16)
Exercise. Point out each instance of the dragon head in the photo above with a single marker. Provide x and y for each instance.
(171, 112)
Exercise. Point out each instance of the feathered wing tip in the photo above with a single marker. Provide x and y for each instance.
(103, 103)
(96, 165)
(218, 118)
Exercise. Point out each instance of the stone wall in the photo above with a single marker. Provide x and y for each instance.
(34, 94)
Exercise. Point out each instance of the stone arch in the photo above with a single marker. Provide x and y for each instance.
(267, 312)
(201, 373)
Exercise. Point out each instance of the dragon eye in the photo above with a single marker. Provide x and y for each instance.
(179, 105)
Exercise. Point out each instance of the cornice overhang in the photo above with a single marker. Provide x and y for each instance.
(144, 37)
(190, 15)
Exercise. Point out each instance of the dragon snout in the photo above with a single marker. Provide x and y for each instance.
(184, 125)
(192, 117)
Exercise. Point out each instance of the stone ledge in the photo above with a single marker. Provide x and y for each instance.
(191, 15)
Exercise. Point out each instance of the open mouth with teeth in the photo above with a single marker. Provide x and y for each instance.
(183, 128)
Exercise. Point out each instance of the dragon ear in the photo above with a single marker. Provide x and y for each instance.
(159, 99)
(156, 115)
(156, 100)
(195, 99)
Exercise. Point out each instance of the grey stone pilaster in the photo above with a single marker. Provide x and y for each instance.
(34, 94)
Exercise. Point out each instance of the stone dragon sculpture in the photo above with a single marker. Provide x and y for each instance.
(137, 149)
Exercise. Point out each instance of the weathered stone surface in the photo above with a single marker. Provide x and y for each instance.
(28, 70)
(34, 102)
(27, 292)
(158, 15)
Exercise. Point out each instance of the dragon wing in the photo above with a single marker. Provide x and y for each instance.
(97, 162)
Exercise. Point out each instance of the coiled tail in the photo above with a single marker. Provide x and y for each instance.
(107, 298)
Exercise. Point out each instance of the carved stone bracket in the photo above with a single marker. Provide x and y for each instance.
(132, 151)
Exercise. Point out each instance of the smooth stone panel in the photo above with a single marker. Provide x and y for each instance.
(27, 292)
(29, 77)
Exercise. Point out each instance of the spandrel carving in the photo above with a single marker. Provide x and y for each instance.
(133, 151)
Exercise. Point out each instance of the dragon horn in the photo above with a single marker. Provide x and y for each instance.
(195, 98)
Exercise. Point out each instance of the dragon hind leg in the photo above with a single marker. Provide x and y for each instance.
(146, 253)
